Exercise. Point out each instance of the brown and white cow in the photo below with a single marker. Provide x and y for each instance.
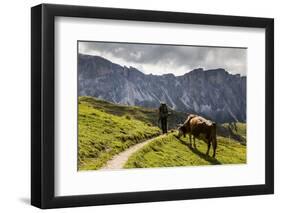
(199, 128)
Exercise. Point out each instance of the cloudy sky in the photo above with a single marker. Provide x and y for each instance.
(162, 59)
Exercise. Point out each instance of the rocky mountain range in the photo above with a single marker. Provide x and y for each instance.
(215, 94)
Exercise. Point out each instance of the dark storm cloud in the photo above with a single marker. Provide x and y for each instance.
(183, 57)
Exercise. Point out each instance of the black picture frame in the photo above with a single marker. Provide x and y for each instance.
(43, 102)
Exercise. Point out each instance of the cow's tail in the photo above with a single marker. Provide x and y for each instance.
(214, 139)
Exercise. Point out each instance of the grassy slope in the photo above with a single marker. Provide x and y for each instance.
(139, 113)
(148, 115)
(106, 129)
(236, 131)
(170, 151)
(241, 129)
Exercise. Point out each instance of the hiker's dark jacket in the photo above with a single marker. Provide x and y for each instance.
(163, 111)
(163, 117)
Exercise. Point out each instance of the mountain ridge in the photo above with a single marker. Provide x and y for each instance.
(214, 93)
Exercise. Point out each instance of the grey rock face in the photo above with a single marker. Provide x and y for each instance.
(215, 94)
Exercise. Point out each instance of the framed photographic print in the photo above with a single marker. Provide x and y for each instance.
(140, 106)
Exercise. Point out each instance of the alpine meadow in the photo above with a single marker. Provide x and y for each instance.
(157, 105)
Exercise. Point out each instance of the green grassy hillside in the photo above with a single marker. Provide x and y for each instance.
(147, 115)
(170, 151)
(106, 129)
(240, 128)
(150, 116)
(236, 131)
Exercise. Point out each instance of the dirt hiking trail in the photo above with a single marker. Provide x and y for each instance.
(119, 160)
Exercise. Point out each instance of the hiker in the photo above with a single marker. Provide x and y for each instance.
(163, 116)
